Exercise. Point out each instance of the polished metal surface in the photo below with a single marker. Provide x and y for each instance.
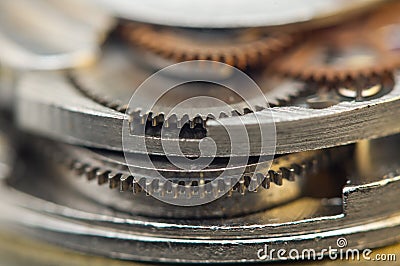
(65, 114)
(26, 27)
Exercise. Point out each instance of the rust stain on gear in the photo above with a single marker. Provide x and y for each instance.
(367, 48)
(239, 48)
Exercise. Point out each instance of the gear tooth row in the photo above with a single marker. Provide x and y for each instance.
(239, 55)
(316, 57)
(322, 76)
(181, 188)
(139, 117)
(283, 168)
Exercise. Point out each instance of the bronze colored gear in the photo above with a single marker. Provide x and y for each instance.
(360, 50)
(239, 48)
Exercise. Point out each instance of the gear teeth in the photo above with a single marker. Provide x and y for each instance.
(107, 177)
(215, 189)
(135, 186)
(282, 168)
(209, 116)
(113, 180)
(223, 115)
(241, 186)
(89, 172)
(178, 124)
(78, 168)
(166, 123)
(266, 183)
(188, 191)
(325, 46)
(287, 174)
(192, 124)
(185, 119)
(260, 179)
(160, 187)
(230, 192)
(139, 117)
(254, 183)
(175, 190)
(136, 116)
(101, 179)
(154, 122)
(235, 113)
(173, 120)
(253, 52)
(126, 183)
(276, 177)
(228, 184)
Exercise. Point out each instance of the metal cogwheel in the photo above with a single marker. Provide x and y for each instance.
(111, 168)
(360, 51)
(287, 173)
(53, 112)
(300, 108)
(145, 238)
(114, 79)
(240, 48)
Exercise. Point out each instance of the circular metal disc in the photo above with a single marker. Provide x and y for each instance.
(230, 14)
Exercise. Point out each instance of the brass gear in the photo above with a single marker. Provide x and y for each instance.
(239, 48)
(364, 49)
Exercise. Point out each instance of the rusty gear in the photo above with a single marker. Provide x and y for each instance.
(238, 48)
(364, 49)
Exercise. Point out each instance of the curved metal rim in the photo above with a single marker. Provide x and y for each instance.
(170, 241)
